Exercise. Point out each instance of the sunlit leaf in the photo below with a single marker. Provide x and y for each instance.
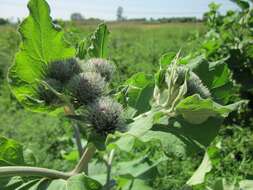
(42, 43)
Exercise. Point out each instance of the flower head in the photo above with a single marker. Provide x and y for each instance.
(101, 66)
(86, 87)
(105, 116)
(63, 70)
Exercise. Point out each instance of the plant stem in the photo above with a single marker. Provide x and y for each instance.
(83, 163)
(78, 139)
(53, 174)
(109, 167)
(32, 171)
(69, 110)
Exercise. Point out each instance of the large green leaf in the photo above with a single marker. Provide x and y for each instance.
(242, 4)
(199, 175)
(166, 59)
(78, 182)
(139, 92)
(128, 183)
(177, 135)
(142, 124)
(182, 138)
(216, 76)
(42, 43)
(197, 110)
(97, 42)
(137, 167)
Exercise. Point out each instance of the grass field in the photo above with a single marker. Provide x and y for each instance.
(138, 47)
(132, 48)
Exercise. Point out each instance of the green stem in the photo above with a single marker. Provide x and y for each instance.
(83, 163)
(78, 139)
(48, 173)
(32, 171)
(109, 167)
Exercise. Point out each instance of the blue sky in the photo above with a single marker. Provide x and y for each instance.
(106, 9)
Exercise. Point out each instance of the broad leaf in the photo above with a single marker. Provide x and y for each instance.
(127, 183)
(199, 175)
(166, 59)
(197, 110)
(177, 135)
(137, 167)
(142, 124)
(242, 4)
(139, 91)
(215, 75)
(97, 42)
(78, 182)
(42, 43)
(182, 138)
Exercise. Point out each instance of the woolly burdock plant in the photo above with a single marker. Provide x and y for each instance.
(86, 87)
(105, 116)
(102, 66)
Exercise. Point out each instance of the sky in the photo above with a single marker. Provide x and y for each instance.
(106, 9)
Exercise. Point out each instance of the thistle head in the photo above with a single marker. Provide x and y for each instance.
(47, 95)
(86, 87)
(105, 116)
(101, 66)
(194, 83)
(63, 70)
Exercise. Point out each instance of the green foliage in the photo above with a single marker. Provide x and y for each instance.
(11, 152)
(136, 92)
(42, 44)
(230, 40)
(196, 110)
(167, 115)
(81, 182)
(95, 45)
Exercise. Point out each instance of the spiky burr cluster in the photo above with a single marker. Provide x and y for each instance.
(86, 88)
(101, 66)
(105, 115)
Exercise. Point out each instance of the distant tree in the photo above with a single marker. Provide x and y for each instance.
(120, 11)
(3, 21)
(76, 17)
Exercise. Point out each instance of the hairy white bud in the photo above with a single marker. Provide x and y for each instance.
(86, 87)
(101, 66)
(194, 83)
(195, 86)
(105, 116)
